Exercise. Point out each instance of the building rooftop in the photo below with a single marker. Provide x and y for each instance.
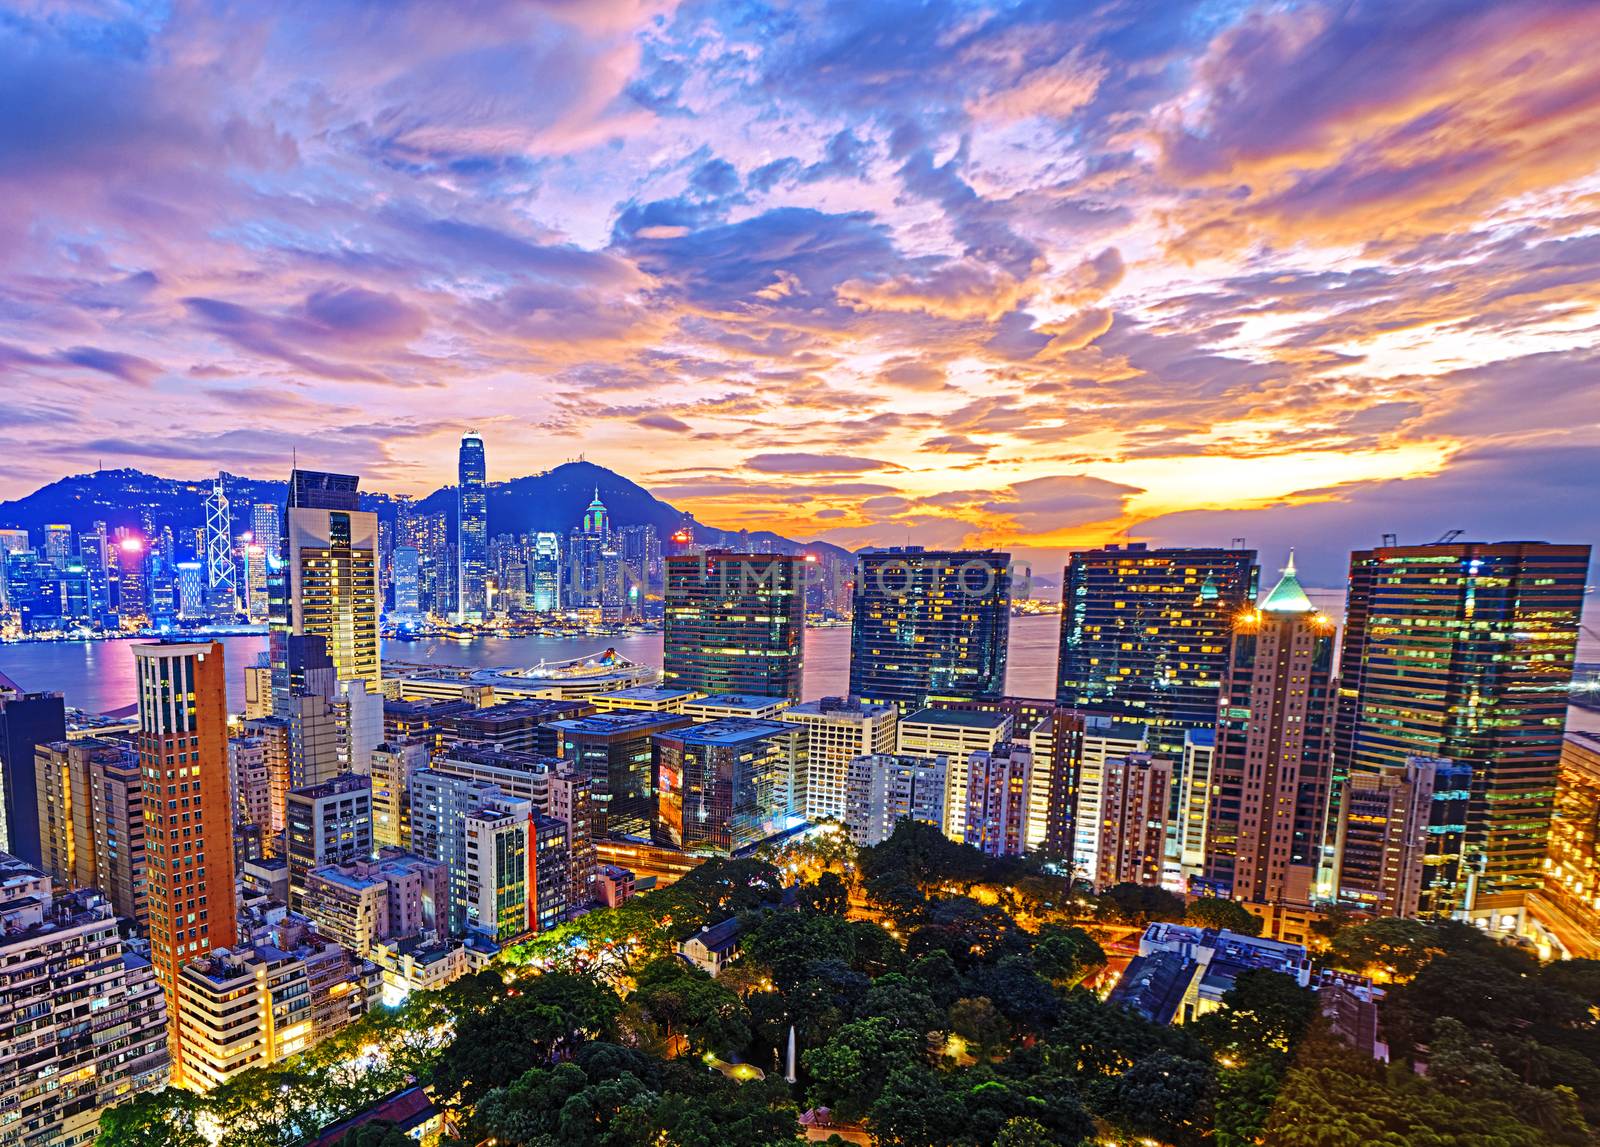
(842, 706)
(754, 702)
(650, 694)
(1154, 985)
(732, 731)
(957, 718)
(721, 937)
(618, 722)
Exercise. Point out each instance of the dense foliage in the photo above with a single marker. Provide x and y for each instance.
(936, 997)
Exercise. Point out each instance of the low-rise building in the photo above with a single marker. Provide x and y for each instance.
(613, 884)
(418, 964)
(1181, 973)
(711, 949)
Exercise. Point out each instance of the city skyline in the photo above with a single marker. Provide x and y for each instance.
(1164, 273)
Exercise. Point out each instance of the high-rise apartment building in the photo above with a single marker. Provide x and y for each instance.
(407, 583)
(1382, 837)
(393, 765)
(726, 786)
(27, 720)
(1464, 650)
(930, 625)
(1188, 834)
(327, 823)
(1133, 820)
(1145, 634)
(838, 730)
(735, 623)
(1104, 740)
(999, 785)
(82, 1021)
(188, 814)
(91, 820)
(955, 734)
(497, 887)
(396, 897)
(472, 523)
(1268, 819)
(884, 788)
(328, 586)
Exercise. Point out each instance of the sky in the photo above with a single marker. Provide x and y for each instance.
(1036, 276)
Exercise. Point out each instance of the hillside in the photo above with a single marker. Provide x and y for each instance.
(554, 500)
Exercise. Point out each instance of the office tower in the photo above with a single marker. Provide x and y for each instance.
(1104, 740)
(585, 559)
(735, 623)
(956, 734)
(255, 580)
(930, 625)
(393, 764)
(1188, 835)
(266, 526)
(91, 820)
(758, 706)
(188, 821)
(1382, 837)
(94, 555)
(472, 530)
(1145, 634)
(617, 752)
(1133, 820)
(728, 785)
(132, 586)
(313, 742)
(327, 823)
(998, 786)
(189, 582)
(883, 788)
(396, 897)
(257, 1005)
(1272, 774)
(27, 720)
(1568, 906)
(838, 730)
(1464, 651)
(407, 583)
(82, 1023)
(523, 726)
(222, 591)
(545, 576)
(57, 544)
(328, 587)
(640, 547)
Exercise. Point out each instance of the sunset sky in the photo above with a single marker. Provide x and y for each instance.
(1035, 275)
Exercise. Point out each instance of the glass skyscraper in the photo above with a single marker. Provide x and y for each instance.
(1145, 634)
(735, 623)
(1465, 651)
(472, 519)
(930, 625)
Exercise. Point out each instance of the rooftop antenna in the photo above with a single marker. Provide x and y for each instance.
(1391, 539)
(1236, 544)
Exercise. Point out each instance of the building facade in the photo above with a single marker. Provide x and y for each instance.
(838, 730)
(735, 623)
(884, 788)
(91, 819)
(998, 795)
(726, 786)
(472, 520)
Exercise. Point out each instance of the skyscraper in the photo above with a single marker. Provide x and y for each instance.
(222, 590)
(1271, 775)
(27, 720)
(183, 752)
(327, 823)
(328, 587)
(735, 623)
(545, 576)
(407, 583)
(1382, 837)
(266, 527)
(1464, 650)
(1145, 634)
(472, 522)
(728, 785)
(930, 625)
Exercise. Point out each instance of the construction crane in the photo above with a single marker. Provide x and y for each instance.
(1448, 536)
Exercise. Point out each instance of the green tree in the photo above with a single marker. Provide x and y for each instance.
(981, 1024)
(1388, 948)
(1138, 904)
(1020, 1131)
(1067, 956)
(378, 1133)
(903, 1002)
(848, 1072)
(915, 1110)
(1219, 912)
(1263, 1014)
(686, 1002)
(1163, 1096)
(828, 895)
(165, 1118)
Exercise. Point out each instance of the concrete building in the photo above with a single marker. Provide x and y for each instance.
(393, 765)
(1133, 820)
(1272, 775)
(955, 734)
(418, 965)
(522, 726)
(183, 756)
(749, 706)
(735, 622)
(1567, 908)
(883, 788)
(645, 699)
(1187, 833)
(496, 886)
(257, 1005)
(1054, 733)
(1104, 739)
(27, 720)
(330, 823)
(91, 821)
(251, 781)
(999, 784)
(1182, 973)
(82, 1019)
(391, 898)
(1382, 840)
(838, 730)
(613, 884)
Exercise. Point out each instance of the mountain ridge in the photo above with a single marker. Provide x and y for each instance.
(553, 500)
